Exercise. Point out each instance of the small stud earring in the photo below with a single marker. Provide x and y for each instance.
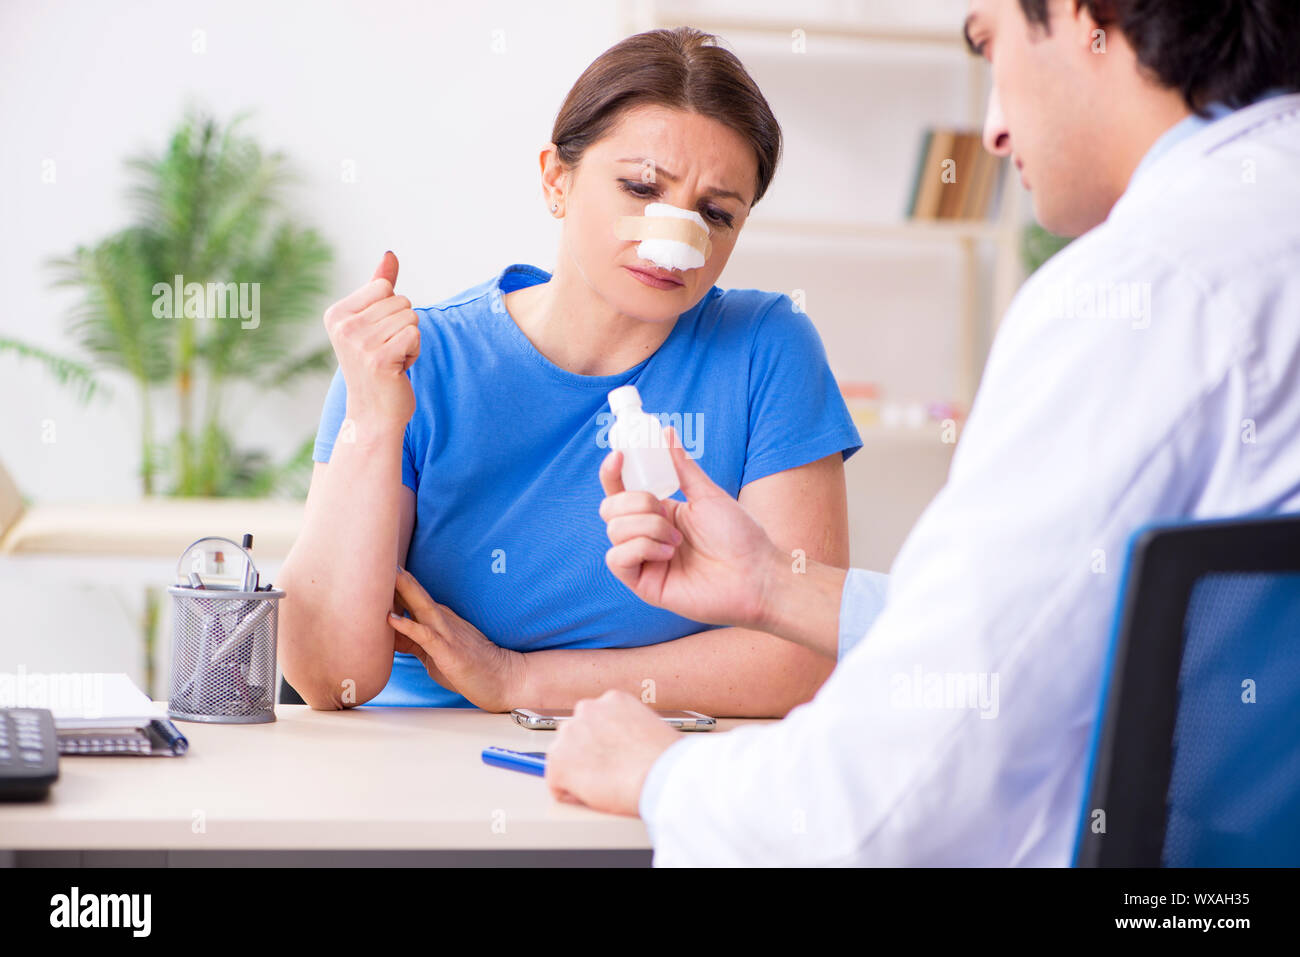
(554, 207)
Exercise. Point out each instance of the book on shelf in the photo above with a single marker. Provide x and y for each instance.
(955, 177)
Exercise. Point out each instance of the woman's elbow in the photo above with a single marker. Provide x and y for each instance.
(339, 688)
(806, 671)
(323, 682)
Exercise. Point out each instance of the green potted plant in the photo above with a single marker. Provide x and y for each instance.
(1037, 246)
(208, 218)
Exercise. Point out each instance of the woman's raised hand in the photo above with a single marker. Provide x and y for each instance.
(376, 337)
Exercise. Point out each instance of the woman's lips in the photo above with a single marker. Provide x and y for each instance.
(654, 279)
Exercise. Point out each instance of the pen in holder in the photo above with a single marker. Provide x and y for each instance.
(223, 636)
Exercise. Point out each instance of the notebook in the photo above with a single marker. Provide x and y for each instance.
(96, 713)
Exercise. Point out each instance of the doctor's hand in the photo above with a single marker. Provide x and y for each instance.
(376, 337)
(705, 558)
(602, 756)
(456, 654)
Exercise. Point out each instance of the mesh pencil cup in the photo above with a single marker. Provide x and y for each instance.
(223, 637)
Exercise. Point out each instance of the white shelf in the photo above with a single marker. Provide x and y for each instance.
(914, 230)
(669, 15)
(929, 434)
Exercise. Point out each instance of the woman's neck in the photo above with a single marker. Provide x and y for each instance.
(568, 323)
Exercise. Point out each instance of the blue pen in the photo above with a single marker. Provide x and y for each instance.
(529, 762)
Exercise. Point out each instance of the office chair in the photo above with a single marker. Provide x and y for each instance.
(289, 694)
(1195, 759)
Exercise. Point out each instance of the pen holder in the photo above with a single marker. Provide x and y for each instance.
(223, 644)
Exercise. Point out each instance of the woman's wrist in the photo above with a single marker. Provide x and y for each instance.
(369, 428)
(519, 687)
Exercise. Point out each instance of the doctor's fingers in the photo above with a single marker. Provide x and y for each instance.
(565, 758)
(559, 778)
(655, 527)
(630, 503)
(611, 473)
(562, 777)
(626, 559)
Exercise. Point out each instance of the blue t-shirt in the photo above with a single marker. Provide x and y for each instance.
(504, 450)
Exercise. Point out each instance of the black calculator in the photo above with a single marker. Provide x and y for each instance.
(29, 753)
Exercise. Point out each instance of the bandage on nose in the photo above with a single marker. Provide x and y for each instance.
(671, 238)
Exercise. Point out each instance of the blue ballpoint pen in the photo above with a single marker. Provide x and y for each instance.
(529, 762)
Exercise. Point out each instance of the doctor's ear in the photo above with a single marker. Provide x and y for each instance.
(1090, 34)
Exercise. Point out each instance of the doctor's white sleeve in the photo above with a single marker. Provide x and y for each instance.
(860, 604)
(956, 732)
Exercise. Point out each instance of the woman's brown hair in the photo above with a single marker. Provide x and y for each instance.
(683, 69)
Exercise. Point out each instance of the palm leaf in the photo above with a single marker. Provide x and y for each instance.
(319, 360)
(67, 372)
(115, 322)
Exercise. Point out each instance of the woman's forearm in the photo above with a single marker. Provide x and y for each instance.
(725, 672)
(336, 646)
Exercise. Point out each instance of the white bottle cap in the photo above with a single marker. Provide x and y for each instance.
(625, 398)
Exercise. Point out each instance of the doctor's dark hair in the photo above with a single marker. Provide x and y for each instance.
(1227, 51)
(682, 69)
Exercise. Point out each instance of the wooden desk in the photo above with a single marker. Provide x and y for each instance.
(369, 785)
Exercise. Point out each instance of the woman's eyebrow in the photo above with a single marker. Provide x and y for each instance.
(660, 171)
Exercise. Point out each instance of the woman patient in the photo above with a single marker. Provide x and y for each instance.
(456, 476)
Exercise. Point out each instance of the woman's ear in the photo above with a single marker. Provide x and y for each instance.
(555, 178)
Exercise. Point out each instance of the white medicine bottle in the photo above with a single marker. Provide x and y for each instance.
(647, 463)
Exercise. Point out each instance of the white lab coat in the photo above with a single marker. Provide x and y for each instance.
(1085, 428)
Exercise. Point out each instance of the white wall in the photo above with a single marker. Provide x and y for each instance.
(443, 131)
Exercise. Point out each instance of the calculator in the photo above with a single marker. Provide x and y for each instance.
(29, 753)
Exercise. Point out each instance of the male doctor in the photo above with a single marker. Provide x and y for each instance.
(1150, 371)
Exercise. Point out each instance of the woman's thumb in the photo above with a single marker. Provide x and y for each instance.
(387, 269)
(695, 483)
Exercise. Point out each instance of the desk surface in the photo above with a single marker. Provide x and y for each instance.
(371, 777)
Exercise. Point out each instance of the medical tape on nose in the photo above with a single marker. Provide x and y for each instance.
(671, 238)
